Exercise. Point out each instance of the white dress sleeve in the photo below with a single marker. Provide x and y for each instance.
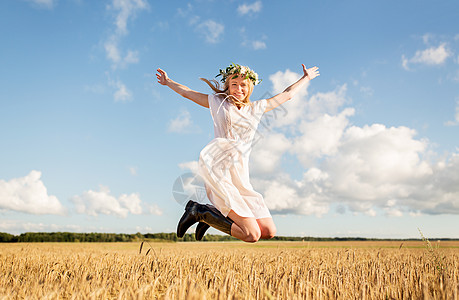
(213, 105)
(259, 107)
(211, 100)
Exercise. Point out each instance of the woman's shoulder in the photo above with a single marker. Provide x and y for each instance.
(261, 102)
(215, 97)
(259, 106)
(215, 100)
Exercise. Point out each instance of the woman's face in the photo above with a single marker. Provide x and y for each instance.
(239, 87)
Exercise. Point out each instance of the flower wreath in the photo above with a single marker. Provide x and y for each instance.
(235, 69)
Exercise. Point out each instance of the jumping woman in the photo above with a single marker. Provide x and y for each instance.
(237, 209)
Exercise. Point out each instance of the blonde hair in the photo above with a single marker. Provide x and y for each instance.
(218, 89)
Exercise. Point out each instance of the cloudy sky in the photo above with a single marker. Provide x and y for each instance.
(90, 142)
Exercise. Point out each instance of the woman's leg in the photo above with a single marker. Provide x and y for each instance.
(245, 229)
(195, 212)
(268, 229)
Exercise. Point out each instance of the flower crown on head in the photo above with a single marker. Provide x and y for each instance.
(235, 69)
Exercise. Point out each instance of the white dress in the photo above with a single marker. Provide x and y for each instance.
(224, 162)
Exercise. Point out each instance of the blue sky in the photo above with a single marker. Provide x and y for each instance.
(91, 143)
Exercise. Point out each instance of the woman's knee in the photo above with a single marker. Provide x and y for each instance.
(268, 229)
(268, 232)
(252, 235)
(247, 230)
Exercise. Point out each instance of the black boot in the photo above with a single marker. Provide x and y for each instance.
(195, 212)
(202, 226)
(201, 230)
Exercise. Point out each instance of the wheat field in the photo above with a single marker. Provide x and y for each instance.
(230, 270)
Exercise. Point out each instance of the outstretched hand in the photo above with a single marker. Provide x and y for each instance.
(162, 77)
(311, 73)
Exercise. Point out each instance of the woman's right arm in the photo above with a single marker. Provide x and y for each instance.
(199, 98)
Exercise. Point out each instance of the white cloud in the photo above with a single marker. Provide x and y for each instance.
(326, 103)
(114, 54)
(440, 195)
(431, 56)
(112, 51)
(376, 164)
(456, 116)
(211, 31)
(269, 151)
(193, 20)
(255, 44)
(280, 80)
(187, 14)
(19, 226)
(125, 10)
(391, 209)
(367, 91)
(427, 37)
(155, 210)
(284, 195)
(162, 25)
(121, 94)
(249, 8)
(29, 195)
(294, 109)
(94, 203)
(189, 185)
(258, 45)
(320, 137)
(95, 88)
(365, 168)
(405, 62)
(193, 166)
(182, 123)
(133, 171)
(456, 75)
(48, 4)
(132, 57)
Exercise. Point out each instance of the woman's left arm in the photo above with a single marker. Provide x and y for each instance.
(289, 92)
